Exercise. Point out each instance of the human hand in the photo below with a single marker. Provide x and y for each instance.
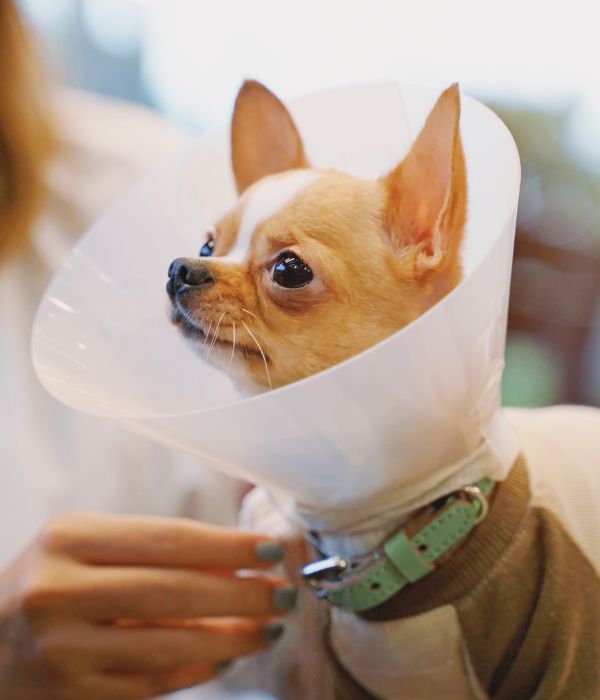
(117, 608)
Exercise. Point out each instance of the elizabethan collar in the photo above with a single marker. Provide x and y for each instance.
(389, 418)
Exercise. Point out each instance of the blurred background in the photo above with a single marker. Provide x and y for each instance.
(534, 63)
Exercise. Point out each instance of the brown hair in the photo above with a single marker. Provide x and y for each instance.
(27, 137)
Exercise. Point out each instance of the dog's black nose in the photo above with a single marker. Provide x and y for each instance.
(188, 273)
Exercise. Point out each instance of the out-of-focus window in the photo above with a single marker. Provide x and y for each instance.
(535, 62)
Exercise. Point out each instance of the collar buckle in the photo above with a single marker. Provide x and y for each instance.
(331, 569)
(325, 568)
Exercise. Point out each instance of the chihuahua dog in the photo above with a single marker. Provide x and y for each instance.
(310, 267)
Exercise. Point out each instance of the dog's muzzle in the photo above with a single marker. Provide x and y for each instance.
(188, 274)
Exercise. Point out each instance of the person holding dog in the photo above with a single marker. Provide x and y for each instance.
(121, 606)
(108, 605)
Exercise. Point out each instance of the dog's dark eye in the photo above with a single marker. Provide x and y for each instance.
(207, 249)
(291, 272)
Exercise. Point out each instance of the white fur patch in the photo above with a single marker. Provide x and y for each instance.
(264, 200)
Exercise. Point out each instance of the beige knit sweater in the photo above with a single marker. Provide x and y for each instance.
(512, 614)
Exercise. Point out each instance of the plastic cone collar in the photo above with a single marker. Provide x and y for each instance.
(387, 418)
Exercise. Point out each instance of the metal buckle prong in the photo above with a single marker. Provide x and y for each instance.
(316, 571)
(324, 568)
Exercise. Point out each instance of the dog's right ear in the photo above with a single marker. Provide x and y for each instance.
(427, 191)
(264, 138)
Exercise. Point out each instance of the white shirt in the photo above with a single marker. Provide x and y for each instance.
(53, 459)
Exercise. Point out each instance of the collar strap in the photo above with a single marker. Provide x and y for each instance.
(364, 582)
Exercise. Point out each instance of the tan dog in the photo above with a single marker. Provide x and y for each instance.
(311, 267)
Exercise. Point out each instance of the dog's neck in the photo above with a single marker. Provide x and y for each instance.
(362, 527)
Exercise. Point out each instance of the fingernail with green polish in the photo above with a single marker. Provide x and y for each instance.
(272, 632)
(269, 552)
(284, 599)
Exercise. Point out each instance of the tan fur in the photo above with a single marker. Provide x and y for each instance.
(381, 251)
(275, 145)
(428, 197)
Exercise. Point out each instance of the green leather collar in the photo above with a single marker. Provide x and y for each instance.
(362, 583)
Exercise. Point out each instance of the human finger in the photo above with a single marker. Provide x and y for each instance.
(108, 593)
(148, 649)
(69, 659)
(153, 541)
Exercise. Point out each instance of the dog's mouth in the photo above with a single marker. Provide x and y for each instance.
(207, 339)
(187, 325)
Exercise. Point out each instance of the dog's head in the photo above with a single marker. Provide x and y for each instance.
(312, 266)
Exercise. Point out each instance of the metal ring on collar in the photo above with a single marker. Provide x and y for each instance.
(474, 494)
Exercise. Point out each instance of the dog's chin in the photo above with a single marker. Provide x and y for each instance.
(187, 326)
(194, 332)
(244, 365)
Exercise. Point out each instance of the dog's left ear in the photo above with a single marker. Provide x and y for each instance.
(427, 191)
(264, 138)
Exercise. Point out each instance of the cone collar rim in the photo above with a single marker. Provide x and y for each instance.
(275, 394)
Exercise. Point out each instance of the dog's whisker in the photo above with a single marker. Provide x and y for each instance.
(232, 347)
(187, 318)
(207, 334)
(251, 314)
(261, 352)
(216, 333)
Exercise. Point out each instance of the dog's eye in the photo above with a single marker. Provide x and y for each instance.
(207, 249)
(291, 272)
